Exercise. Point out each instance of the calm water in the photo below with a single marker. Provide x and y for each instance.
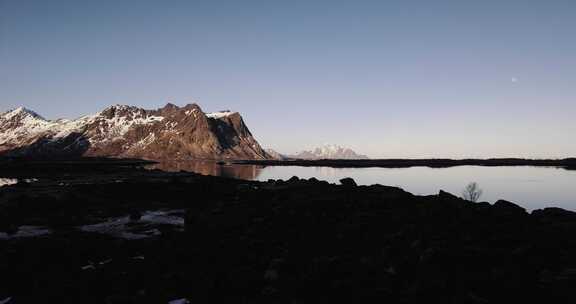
(530, 187)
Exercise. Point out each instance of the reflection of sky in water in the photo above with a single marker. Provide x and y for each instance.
(531, 187)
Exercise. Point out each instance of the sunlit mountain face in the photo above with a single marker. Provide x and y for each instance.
(170, 132)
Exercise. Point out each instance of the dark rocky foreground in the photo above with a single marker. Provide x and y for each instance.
(134, 236)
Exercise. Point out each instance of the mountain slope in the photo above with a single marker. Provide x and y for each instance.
(170, 132)
(276, 155)
(329, 152)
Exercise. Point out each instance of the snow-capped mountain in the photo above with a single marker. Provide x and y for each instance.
(329, 152)
(276, 155)
(170, 132)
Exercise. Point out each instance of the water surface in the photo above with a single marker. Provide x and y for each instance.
(530, 187)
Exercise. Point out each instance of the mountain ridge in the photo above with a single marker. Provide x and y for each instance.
(328, 151)
(170, 132)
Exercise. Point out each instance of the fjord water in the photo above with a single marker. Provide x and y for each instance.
(529, 187)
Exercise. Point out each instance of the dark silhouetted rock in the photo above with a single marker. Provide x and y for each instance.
(509, 208)
(447, 196)
(294, 179)
(554, 214)
(348, 182)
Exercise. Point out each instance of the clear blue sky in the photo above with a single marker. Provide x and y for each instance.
(387, 78)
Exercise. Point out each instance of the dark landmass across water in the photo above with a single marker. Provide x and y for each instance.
(129, 235)
(54, 167)
(568, 163)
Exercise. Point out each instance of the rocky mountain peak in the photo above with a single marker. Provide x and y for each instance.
(329, 151)
(171, 106)
(20, 113)
(170, 132)
(122, 111)
(171, 110)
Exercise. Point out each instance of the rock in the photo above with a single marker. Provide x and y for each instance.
(118, 299)
(293, 179)
(271, 275)
(281, 244)
(135, 215)
(348, 182)
(508, 208)
(554, 214)
(447, 196)
(313, 180)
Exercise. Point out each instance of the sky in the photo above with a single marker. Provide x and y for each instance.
(405, 78)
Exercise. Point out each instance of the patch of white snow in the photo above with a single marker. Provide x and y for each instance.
(8, 181)
(220, 114)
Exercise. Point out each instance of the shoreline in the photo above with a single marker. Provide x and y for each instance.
(149, 236)
(567, 163)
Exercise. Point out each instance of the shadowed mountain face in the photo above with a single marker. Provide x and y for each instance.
(168, 133)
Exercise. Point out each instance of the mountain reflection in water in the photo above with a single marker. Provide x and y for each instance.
(250, 172)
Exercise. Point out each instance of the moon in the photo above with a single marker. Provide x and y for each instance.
(514, 79)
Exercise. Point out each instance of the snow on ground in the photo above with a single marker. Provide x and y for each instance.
(190, 112)
(150, 138)
(132, 229)
(220, 114)
(8, 181)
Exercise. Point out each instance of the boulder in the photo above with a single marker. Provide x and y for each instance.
(554, 214)
(508, 208)
(447, 196)
(348, 182)
(293, 179)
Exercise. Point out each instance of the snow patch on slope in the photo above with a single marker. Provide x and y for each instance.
(190, 112)
(28, 124)
(220, 114)
(117, 126)
(21, 111)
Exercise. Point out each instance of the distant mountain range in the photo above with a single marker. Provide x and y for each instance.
(326, 151)
(170, 132)
(329, 152)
